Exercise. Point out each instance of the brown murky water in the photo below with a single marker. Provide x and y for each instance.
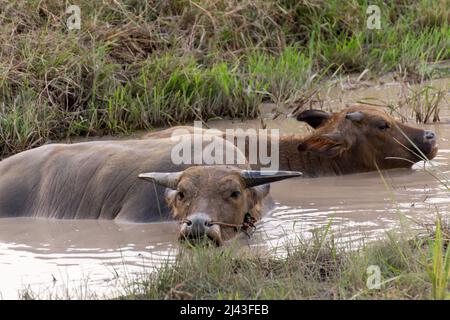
(94, 259)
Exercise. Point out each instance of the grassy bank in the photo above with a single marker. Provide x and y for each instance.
(410, 268)
(138, 64)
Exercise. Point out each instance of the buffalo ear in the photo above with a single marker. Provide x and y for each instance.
(169, 195)
(262, 191)
(326, 145)
(315, 118)
(258, 194)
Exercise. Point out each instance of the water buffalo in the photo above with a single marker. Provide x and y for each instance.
(215, 201)
(99, 180)
(359, 138)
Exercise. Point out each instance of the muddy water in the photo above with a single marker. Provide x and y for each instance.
(94, 259)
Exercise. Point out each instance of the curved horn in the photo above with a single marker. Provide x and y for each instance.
(253, 178)
(355, 116)
(165, 179)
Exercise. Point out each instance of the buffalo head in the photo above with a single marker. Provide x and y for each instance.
(362, 138)
(213, 201)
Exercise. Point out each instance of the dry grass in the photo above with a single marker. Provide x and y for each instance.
(422, 103)
(138, 64)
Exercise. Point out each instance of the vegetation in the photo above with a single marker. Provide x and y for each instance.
(137, 64)
(313, 269)
(422, 103)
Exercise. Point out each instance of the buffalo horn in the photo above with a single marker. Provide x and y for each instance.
(253, 178)
(165, 179)
(355, 116)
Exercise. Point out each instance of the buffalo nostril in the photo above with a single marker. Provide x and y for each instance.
(429, 135)
(208, 224)
(199, 225)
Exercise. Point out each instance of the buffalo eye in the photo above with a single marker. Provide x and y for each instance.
(235, 194)
(180, 195)
(383, 126)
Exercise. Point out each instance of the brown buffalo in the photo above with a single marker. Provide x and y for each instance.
(215, 201)
(99, 180)
(358, 139)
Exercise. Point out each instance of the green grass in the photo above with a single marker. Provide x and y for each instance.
(135, 64)
(411, 268)
(439, 267)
